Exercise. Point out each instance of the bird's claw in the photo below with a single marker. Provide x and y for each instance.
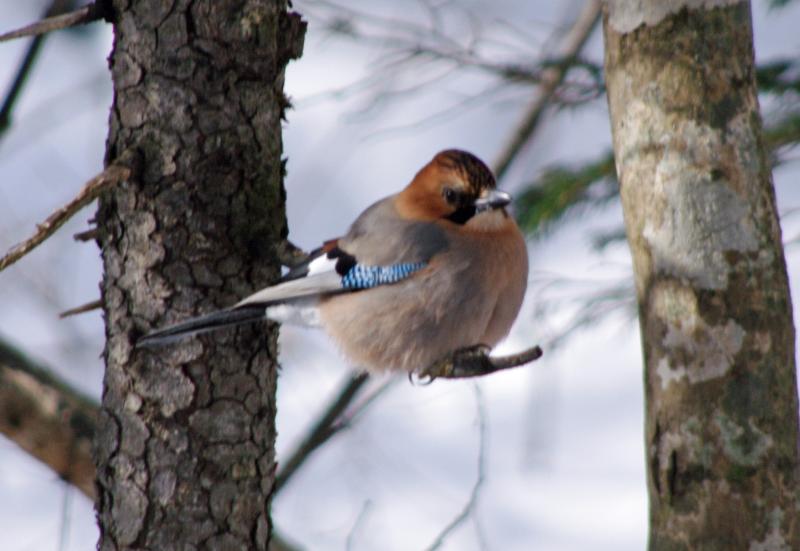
(464, 362)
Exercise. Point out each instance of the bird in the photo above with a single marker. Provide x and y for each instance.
(438, 267)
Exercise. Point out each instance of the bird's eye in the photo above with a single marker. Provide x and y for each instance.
(449, 195)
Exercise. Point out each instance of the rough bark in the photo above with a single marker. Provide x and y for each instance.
(714, 304)
(185, 446)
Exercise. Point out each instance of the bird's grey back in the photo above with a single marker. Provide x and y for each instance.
(381, 237)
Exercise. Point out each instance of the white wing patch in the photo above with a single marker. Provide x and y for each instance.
(303, 313)
(321, 265)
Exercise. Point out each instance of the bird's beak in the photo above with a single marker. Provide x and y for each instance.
(494, 199)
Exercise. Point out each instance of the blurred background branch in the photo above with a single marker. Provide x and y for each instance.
(26, 66)
(54, 21)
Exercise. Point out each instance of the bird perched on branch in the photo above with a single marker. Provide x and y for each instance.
(439, 267)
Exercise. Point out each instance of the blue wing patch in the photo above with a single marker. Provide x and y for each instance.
(366, 277)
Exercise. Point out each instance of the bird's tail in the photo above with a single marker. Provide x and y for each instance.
(202, 324)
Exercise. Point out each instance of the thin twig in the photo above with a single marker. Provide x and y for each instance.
(85, 14)
(472, 503)
(347, 418)
(83, 308)
(329, 424)
(550, 80)
(449, 112)
(86, 235)
(112, 175)
(475, 361)
(516, 360)
(321, 431)
(18, 83)
(24, 69)
(586, 308)
(362, 515)
(289, 254)
(407, 46)
(66, 509)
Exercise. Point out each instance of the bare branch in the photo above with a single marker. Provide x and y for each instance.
(469, 507)
(85, 14)
(289, 254)
(48, 419)
(113, 174)
(347, 418)
(25, 67)
(600, 299)
(551, 79)
(475, 362)
(334, 419)
(82, 309)
(86, 235)
(451, 111)
(321, 431)
(405, 46)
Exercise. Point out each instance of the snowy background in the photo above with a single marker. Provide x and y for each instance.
(563, 438)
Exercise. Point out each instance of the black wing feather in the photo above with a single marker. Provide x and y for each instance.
(201, 324)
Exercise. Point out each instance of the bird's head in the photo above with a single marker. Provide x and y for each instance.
(455, 186)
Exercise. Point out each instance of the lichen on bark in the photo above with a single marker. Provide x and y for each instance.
(198, 94)
(715, 312)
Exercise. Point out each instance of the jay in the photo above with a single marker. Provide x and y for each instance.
(436, 268)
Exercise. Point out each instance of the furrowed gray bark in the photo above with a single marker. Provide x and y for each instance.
(185, 446)
(714, 304)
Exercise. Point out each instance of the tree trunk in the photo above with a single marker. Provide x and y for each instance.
(185, 447)
(714, 305)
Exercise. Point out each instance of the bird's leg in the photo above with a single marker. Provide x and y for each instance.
(474, 361)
